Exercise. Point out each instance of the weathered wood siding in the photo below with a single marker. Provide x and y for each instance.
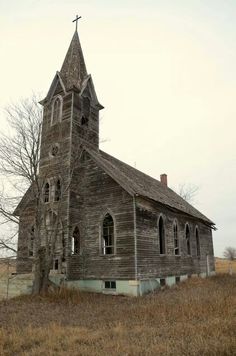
(24, 261)
(93, 194)
(89, 133)
(150, 262)
(90, 194)
(51, 168)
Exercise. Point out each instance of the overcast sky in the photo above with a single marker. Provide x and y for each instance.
(165, 72)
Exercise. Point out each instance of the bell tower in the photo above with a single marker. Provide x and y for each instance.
(70, 122)
(71, 108)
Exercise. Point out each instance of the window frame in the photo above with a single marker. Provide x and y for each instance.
(73, 253)
(198, 245)
(176, 238)
(162, 282)
(54, 121)
(101, 239)
(188, 239)
(57, 196)
(86, 111)
(109, 282)
(56, 263)
(162, 251)
(46, 193)
(31, 241)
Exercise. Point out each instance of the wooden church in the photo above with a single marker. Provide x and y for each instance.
(121, 231)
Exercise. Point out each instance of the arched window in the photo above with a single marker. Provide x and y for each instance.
(86, 111)
(63, 245)
(187, 236)
(56, 110)
(197, 242)
(85, 157)
(57, 195)
(46, 192)
(176, 238)
(108, 235)
(31, 242)
(76, 241)
(162, 244)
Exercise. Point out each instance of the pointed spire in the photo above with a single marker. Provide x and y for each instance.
(73, 70)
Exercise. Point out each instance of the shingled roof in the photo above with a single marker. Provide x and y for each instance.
(136, 182)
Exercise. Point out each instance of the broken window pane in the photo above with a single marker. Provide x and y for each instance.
(108, 235)
(161, 236)
(176, 239)
(76, 241)
(46, 192)
(187, 235)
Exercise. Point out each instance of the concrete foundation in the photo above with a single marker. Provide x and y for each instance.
(21, 284)
(125, 287)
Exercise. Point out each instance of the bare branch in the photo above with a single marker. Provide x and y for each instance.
(188, 191)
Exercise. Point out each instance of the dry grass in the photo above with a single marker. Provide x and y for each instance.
(223, 266)
(197, 317)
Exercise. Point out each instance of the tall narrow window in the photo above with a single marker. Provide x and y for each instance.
(57, 196)
(76, 241)
(46, 192)
(56, 110)
(187, 236)
(198, 243)
(162, 244)
(108, 235)
(56, 264)
(63, 243)
(176, 238)
(31, 242)
(86, 112)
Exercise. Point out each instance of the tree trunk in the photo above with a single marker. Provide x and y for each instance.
(45, 279)
(41, 272)
(37, 277)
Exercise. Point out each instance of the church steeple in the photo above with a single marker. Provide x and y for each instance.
(73, 71)
(72, 101)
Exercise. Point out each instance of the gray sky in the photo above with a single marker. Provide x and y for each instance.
(165, 72)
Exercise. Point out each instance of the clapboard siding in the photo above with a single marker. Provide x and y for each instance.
(98, 194)
(150, 262)
(94, 183)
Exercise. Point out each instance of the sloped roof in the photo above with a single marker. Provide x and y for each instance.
(73, 70)
(137, 182)
(134, 182)
(27, 197)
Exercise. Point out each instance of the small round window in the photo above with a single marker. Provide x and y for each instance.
(54, 150)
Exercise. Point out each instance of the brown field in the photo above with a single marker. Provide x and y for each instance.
(222, 265)
(197, 317)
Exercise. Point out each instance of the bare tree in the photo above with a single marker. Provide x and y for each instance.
(187, 191)
(230, 254)
(19, 163)
(19, 158)
(19, 167)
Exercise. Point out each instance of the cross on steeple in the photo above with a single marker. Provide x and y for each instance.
(76, 21)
